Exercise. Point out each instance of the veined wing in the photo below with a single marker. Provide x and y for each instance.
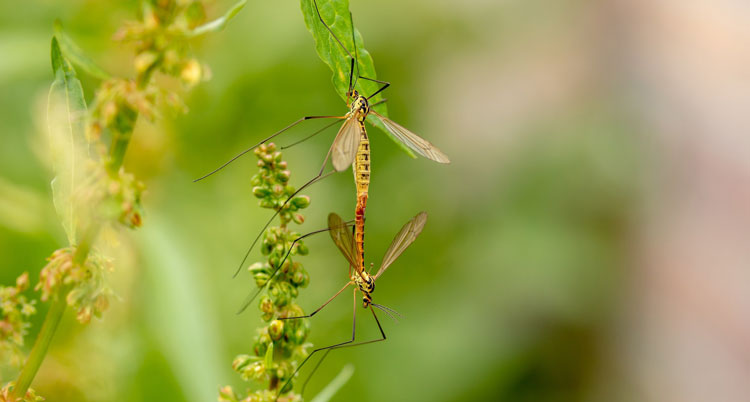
(343, 238)
(403, 239)
(413, 141)
(345, 145)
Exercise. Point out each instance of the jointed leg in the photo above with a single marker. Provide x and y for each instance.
(346, 345)
(249, 299)
(262, 142)
(319, 176)
(324, 304)
(354, 332)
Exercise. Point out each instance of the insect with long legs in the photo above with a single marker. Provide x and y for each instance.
(351, 144)
(345, 242)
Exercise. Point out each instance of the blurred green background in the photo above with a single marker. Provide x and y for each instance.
(508, 294)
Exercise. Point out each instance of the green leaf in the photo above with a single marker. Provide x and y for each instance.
(269, 355)
(334, 386)
(76, 55)
(66, 122)
(336, 15)
(219, 23)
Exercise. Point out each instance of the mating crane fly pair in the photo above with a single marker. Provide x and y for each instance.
(351, 147)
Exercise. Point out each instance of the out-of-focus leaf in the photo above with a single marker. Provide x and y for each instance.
(190, 343)
(336, 15)
(334, 386)
(76, 55)
(219, 23)
(66, 114)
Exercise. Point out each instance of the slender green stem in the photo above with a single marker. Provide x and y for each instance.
(121, 136)
(51, 321)
(55, 313)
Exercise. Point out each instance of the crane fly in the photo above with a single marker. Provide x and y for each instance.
(350, 147)
(345, 242)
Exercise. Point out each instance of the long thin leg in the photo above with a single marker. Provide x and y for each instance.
(262, 142)
(310, 136)
(386, 84)
(354, 332)
(384, 100)
(320, 17)
(348, 345)
(249, 299)
(324, 304)
(318, 177)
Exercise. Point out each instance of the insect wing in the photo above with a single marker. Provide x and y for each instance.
(343, 238)
(345, 145)
(413, 141)
(403, 239)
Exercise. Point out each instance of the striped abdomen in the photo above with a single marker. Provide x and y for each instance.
(362, 181)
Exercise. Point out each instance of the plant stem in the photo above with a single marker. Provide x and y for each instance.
(51, 321)
(121, 138)
(55, 313)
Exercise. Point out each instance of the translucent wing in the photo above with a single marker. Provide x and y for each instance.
(413, 141)
(345, 145)
(403, 239)
(343, 238)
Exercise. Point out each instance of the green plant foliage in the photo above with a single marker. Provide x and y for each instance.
(76, 55)
(219, 23)
(67, 131)
(337, 16)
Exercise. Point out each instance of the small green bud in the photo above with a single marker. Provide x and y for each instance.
(301, 201)
(298, 219)
(261, 344)
(242, 361)
(302, 249)
(298, 278)
(260, 192)
(256, 267)
(283, 176)
(276, 329)
(270, 147)
(266, 203)
(266, 305)
(260, 279)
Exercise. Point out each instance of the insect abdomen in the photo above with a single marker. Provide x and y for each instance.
(362, 181)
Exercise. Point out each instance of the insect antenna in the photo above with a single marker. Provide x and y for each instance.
(388, 311)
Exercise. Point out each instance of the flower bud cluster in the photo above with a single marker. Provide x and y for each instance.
(117, 196)
(160, 37)
(14, 322)
(279, 346)
(83, 284)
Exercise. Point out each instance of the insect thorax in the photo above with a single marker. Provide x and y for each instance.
(360, 105)
(366, 285)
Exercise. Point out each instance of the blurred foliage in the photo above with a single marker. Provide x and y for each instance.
(509, 293)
